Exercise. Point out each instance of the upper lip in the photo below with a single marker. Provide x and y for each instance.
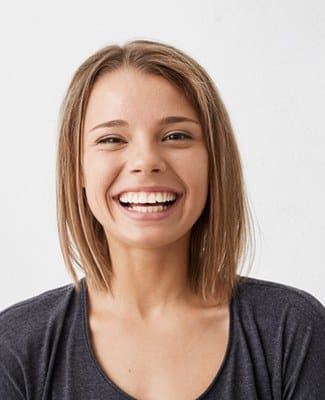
(149, 189)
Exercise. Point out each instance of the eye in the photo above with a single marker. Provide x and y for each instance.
(111, 140)
(178, 136)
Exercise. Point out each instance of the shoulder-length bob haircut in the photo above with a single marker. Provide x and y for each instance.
(221, 238)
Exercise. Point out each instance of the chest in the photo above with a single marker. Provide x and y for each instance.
(162, 362)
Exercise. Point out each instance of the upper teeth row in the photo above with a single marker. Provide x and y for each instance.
(146, 197)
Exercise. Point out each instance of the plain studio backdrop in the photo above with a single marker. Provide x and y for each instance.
(267, 59)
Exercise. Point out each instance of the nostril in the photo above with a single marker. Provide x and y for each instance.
(139, 170)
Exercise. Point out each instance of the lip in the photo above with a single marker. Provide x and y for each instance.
(147, 189)
(154, 216)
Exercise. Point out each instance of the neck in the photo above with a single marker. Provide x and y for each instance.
(147, 282)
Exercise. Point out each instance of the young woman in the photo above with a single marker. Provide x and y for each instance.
(151, 206)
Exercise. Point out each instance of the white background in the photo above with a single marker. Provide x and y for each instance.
(267, 58)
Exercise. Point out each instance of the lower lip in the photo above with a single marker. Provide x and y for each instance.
(150, 216)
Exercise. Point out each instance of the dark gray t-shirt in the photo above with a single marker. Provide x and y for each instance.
(276, 348)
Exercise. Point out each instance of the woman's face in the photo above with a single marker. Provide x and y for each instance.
(145, 163)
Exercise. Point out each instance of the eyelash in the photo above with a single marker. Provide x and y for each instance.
(178, 134)
(115, 139)
(108, 140)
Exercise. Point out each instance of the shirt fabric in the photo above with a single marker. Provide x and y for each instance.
(276, 348)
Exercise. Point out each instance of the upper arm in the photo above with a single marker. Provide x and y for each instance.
(304, 356)
(11, 376)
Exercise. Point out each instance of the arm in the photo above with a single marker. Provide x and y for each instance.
(304, 355)
(11, 376)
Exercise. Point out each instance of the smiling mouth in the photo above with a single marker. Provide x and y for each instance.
(147, 202)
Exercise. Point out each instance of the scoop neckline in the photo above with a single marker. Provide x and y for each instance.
(105, 377)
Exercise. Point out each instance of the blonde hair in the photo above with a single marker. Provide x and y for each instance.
(222, 237)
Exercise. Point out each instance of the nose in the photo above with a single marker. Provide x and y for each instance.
(146, 159)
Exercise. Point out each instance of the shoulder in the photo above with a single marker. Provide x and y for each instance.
(274, 300)
(28, 318)
(282, 327)
(29, 333)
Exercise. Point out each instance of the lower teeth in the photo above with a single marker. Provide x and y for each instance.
(148, 209)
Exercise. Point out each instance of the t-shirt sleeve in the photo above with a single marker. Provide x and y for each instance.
(303, 360)
(11, 376)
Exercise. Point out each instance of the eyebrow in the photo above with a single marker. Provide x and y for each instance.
(164, 121)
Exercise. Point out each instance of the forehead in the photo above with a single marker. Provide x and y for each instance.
(132, 94)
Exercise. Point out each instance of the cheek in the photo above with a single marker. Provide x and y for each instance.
(97, 170)
(198, 171)
(98, 174)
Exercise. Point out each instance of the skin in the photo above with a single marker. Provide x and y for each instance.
(150, 335)
(149, 257)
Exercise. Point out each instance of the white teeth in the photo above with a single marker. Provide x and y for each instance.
(159, 197)
(151, 198)
(148, 209)
(142, 197)
(146, 197)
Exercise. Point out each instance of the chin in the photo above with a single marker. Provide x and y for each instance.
(151, 241)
